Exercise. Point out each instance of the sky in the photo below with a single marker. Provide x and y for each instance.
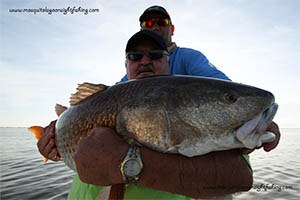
(43, 55)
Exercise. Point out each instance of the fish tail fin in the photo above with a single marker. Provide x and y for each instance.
(45, 160)
(38, 132)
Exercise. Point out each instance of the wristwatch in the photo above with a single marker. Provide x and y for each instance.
(132, 165)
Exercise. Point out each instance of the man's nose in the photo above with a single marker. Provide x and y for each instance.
(145, 59)
(155, 27)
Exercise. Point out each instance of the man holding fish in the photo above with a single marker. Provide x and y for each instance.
(171, 173)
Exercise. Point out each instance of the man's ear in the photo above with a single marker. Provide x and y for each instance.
(126, 63)
(173, 28)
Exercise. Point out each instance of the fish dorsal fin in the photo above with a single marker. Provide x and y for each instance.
(85, 90)
(60, 109)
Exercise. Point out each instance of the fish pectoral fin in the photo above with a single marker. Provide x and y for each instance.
(59, 109)
(85, 90)
(37, 131)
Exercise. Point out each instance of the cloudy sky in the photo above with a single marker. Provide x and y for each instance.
(44, 55)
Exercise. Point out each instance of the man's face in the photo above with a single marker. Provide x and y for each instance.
(146, 66)
(163, 31)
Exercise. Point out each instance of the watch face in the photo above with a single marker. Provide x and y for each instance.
(132, 168)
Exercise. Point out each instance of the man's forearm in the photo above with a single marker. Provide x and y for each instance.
(214, 174)
(99, 156)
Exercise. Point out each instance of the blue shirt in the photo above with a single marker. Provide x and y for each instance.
(186, 61)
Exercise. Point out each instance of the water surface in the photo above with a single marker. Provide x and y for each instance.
(24, 176)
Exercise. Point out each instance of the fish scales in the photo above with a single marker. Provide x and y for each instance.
(175, 114)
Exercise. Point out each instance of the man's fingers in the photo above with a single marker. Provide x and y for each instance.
(54, 155)
(48, 134)
(45, 149)
(247, 151)
(271, 145)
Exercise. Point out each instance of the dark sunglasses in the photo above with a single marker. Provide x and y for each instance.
(149, 23)
(153, 55)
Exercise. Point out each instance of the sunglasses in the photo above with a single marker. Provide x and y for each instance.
(153, 55)
(149, 23)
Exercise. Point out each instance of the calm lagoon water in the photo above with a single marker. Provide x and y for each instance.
(24, 176)
(277, 173)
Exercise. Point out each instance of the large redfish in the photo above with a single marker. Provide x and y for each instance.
(171, 114)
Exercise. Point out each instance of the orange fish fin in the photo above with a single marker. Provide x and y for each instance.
(60, 109)
(45, 160)
(84, 91)
(37, 131)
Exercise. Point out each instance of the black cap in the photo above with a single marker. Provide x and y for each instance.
(145, 35)
(154, 9)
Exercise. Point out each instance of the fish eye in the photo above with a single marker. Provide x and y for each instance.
(230, 97)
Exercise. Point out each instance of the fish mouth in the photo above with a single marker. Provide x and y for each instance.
(253, 133)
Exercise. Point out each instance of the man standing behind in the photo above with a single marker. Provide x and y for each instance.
(184, 61)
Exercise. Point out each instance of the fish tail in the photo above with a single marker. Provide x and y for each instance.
(38, 132)
(45, 160)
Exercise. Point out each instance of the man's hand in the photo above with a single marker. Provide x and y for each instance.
(271, 145)
(98, 157)
(46, 143)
